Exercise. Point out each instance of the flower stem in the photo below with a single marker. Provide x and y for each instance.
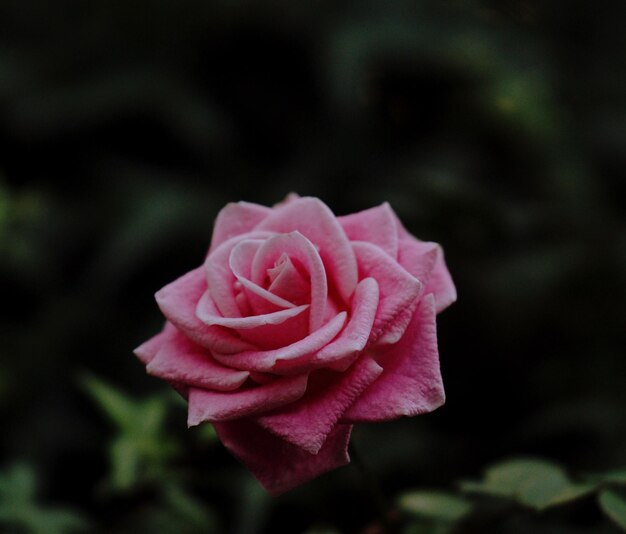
(374, 488)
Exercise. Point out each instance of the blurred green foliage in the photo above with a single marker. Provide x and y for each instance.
(614, 505)
(20, 509)
(435, 508)
(495, 128)
(534, 483)
(530, 483)
(142, 447)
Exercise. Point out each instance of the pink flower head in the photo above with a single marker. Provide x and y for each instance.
(299, 324)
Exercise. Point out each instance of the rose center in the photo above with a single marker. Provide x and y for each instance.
(287, 280)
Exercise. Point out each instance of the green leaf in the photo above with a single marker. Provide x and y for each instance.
(194, 513)
(534, 483)
(253, 506)
(141, 450)
(435, 505)
(616, 477)
(614, 506)
(54, 521)
(570, 493)
(125, 463)
(18, 484)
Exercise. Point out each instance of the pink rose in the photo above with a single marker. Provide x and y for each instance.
(299, 324)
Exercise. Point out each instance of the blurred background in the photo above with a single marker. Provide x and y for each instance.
(495, 128)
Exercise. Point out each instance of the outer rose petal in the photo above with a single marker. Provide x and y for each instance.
(260, 452)
(236, 219)
(180, 360)
(425, 261)
(289, 198)
(313, 219)
(411, 380)
(399, 290)
(375, 225)
(442, 286)
(148, 350)
(178, 302)
(308, 421)
(215, 406)
(395, 331)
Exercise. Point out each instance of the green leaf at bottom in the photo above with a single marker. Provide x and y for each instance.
(435, 505)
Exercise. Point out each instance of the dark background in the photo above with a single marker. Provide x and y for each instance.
(495, 128)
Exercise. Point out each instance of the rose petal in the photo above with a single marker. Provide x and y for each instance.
(219, 275)
(178, 301)
(402, 231)
(419, 262)
(308, 421)
(275, 336)
(313, 219)
(266, 331)
(213, 406)
(278, 465)
(241, 256)
(399, 290)
(441, 284)
(356, 334)
(261, 378)
(395, 330)
(342, 351)
(236, 219)
(207, 312)
(375, 225)
(410, 383)
(180, 360)
(298, 247)
(425, 261)
(261, 300)
(289, 198)
(148, 350)
(265, 361)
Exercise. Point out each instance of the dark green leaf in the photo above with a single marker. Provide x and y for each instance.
(571, 493)
(436, 505)
(194, 513)
(616, 477)
(142, 449)
(613, 505)
(534, 483)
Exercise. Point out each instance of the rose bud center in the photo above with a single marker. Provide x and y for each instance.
(286, 280)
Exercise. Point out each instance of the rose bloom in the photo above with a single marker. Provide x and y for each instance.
(299, 324)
